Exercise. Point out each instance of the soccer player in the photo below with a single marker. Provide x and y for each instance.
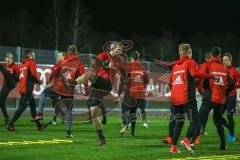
(230, 104)
(27, 79)
(172, 122)
(136, 80)
(62, 91)
(183, 95)
(112, 64)
(106, 65)
(10, 72)
(48, 92)
(214, 94)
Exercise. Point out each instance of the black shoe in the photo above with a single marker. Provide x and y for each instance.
(104, 122)
(223, 148)
(133, 134)
(101, 142)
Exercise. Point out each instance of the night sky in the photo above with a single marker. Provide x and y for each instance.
(181, 17)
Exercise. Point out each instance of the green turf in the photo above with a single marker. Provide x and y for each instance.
(146, 145)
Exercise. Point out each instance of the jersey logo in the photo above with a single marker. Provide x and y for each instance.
(220, 82)
(178, 80)
(137, 79)
(21, 75)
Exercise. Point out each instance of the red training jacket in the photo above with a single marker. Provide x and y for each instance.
(66, 70)
(235, 75)
(216, 92)
(13, 70)
(182, 82)
(138, 79)
(28, 75)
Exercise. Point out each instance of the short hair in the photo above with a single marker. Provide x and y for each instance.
(72, 49)
(29, 53)
(184, 48)
(216, 51)
(228, 55)
(62, 52)
(135, 55)
(9, 55)
(114, 44)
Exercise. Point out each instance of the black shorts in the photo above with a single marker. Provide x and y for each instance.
(99, 89)
(130, 102)
(49, 92)
(230, 105)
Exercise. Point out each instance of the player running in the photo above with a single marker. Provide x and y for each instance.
(10, 72)
(27, 79)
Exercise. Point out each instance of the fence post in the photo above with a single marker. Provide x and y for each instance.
(199, 55)
(18, 51)
(239, 58)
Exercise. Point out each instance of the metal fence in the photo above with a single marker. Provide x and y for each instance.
(48, 57)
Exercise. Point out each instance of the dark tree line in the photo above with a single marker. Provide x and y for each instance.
(66, 22)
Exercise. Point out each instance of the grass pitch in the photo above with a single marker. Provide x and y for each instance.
(147, 144)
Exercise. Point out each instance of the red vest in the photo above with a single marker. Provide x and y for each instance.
(218, 89)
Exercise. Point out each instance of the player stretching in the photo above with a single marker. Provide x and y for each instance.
(100, 76)
(63, 91)
(10, 73)
(48, 92)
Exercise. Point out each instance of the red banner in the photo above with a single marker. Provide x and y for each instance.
(156, 90)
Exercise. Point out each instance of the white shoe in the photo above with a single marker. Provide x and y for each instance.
(54, 123)
(145, 125)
